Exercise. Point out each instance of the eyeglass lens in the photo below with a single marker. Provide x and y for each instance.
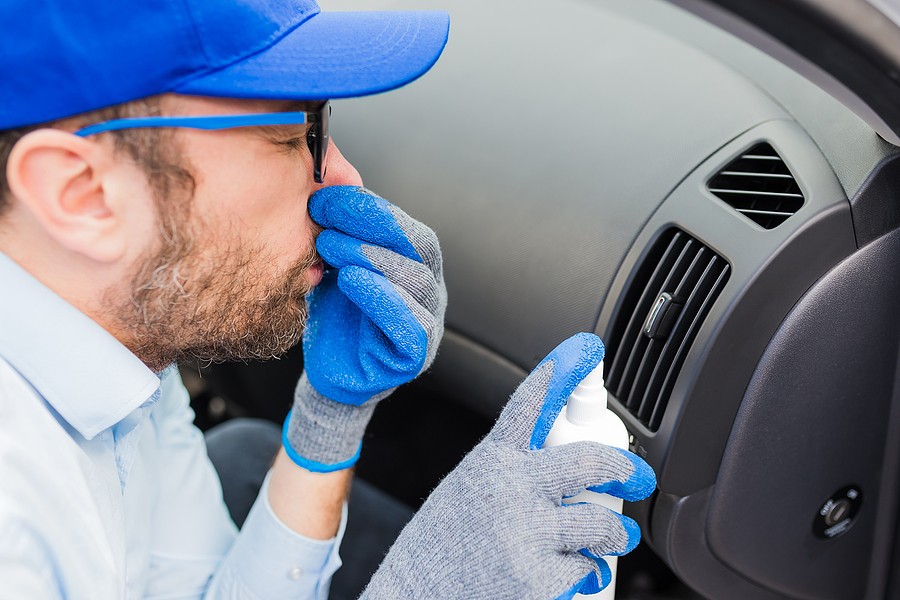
(317, 140)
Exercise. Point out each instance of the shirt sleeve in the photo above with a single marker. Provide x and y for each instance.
(269, 560)
(197, 549)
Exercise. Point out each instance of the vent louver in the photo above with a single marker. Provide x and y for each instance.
(759, 185)
(669, 298)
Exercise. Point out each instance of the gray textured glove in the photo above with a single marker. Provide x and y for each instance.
(376, 320)
(495, 527)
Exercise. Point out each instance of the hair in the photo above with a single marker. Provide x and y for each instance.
(152, 149)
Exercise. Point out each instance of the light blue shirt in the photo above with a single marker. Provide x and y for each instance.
(106, 490)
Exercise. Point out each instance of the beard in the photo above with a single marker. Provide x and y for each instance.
(212, 304)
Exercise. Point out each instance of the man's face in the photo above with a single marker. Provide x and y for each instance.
(226, 276)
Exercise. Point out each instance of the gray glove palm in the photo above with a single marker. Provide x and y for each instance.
(496, 528)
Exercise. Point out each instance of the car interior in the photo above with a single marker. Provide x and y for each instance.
(721, 210)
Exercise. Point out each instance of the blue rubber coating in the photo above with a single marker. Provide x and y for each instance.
(311, 465)
(362, 215)
(640, 485)
(340, 250)
(594, 585)
(361, 338)
(573, 360)
(570, 593)
(590, 584)
(634, 534)
(379, 301)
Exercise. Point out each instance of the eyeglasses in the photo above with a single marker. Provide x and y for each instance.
(316, 138)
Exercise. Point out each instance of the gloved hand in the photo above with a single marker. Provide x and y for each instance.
(495, 527)
(375, 322)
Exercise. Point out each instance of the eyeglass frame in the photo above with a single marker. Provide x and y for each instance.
(316, 137)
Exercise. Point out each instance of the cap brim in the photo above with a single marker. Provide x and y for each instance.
(334, 55)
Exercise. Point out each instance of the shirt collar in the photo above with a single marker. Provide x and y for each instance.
(80, 369)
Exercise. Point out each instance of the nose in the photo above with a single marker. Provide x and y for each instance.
(338, 170)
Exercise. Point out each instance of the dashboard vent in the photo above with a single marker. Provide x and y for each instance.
(759, 185)
(666, 303)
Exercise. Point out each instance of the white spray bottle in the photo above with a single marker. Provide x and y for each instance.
(586, 417)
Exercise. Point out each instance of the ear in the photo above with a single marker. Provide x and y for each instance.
(58, 178)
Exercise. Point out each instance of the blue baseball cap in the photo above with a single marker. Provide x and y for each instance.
(60, 57)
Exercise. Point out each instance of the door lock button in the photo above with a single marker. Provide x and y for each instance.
(838, 513)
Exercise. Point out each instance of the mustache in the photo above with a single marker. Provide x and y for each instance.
(314, 255)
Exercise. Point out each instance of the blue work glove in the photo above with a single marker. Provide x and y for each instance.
(375, 322)
(496, 527)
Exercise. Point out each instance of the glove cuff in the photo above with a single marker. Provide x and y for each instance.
(322, 435)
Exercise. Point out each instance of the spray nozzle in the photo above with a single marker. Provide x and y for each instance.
(588, 400)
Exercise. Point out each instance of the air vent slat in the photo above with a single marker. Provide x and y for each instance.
(762, 212)
(755, 174)
(643, 346)
(686, 292)
(681, 353)
(651, 359)
(759, 185)
(669, 255)
(754, 193)
(642, 370)
(681, 335)
(651, 355)
(758, 157)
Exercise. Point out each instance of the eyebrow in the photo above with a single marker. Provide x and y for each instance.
(281, 131)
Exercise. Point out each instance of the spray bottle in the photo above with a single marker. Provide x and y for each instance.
(586, 417)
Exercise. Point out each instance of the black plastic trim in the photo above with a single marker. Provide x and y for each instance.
(771, 270)
(876, 206)
(812, 422)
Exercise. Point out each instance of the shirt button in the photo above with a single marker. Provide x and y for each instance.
(295, 573)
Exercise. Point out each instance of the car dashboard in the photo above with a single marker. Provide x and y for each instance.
(729, 230)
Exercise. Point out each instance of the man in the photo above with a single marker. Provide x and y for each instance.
(167, 173)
